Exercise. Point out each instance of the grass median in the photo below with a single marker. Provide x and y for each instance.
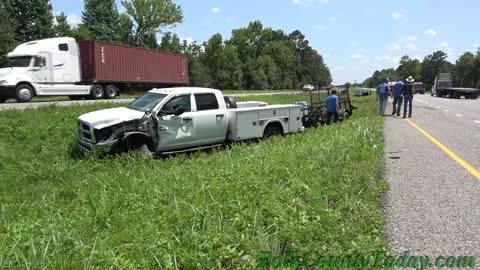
(317, 191)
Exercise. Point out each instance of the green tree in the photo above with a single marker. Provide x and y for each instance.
(101, 18)
(81, 32)
(125, 30)
(432, 65)
(7, 34)
(171, 43)
(465, 70)
(34, 19)
(152, 15)
(409, 67)
(62, 28)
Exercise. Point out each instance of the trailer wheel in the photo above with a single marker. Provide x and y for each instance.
(346, 115)
(97, 92)
(111, 92)
(24, 93)
(271, 130)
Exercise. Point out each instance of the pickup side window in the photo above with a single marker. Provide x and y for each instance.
(183, 101)
(63, 47)
(206, 102)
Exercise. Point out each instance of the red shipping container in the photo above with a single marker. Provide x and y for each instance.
(104, 62)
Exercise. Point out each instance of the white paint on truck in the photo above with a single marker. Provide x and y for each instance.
(175, 119)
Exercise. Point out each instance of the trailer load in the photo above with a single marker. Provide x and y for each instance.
(443, 87)
(65, 67)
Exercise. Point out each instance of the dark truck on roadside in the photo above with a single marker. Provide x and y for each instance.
(443, 87)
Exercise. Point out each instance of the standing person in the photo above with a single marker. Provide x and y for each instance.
(383, 94)
(397, 97)
(408, 89)
(332, 106)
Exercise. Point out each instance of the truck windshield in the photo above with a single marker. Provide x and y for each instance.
(19, 61)
(147, 102)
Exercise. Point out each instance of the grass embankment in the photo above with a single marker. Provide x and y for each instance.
(316, 191)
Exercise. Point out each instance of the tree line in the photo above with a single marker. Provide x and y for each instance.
(254, 57)
(465, 70)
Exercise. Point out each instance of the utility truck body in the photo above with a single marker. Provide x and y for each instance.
(181, 119)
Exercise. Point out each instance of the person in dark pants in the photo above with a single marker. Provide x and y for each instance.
(332, 106)
(397, 97)
(407, 91)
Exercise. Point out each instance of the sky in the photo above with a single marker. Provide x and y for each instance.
(355, 38)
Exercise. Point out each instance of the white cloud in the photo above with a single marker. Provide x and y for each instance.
(411, 47)
(326, 55)
(418, 57)
(215, 10)
(369, 12)
(320, 27)
(397, 15)
(412, 38)
(444, 46)
(358, 56)
(476, 46)
(332, 18)
(394, 47)
(189, 40)
(430, 32)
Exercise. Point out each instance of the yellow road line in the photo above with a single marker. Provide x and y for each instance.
(454, 156)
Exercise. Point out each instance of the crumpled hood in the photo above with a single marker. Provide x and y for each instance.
(11, 73)
(108, 117)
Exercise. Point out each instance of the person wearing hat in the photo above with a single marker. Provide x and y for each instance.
(407, 91)
(383, 94)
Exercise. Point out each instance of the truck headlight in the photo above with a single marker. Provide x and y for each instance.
(4, 82)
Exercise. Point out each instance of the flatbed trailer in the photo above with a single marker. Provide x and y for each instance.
(443, 87)
(315, 111)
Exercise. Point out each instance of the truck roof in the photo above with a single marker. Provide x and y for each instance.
(182, 90)
(40, 45)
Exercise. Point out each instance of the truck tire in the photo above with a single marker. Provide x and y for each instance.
(271, 130)
(97, 92)
(24, 93)
(111, 92)
(2, 100)
(143, 150)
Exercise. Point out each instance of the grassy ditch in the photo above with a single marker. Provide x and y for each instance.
(316, 191)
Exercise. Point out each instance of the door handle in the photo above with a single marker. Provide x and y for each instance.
(163, 128)
(220, 115)
(186, 119)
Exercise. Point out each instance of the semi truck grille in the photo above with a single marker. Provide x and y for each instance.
(85, 132)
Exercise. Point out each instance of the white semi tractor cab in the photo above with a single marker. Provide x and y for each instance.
(181, 119)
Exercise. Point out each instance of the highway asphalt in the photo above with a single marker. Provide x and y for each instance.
(22, 106)
(433, 205)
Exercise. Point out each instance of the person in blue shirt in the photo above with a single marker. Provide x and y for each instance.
(397, 97)
(383, 94)
(332, 106)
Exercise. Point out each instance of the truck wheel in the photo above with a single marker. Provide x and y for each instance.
(271, 131)
(24, 93)
(142, 149)
(111, 92)
(97, 92)
(2, 100)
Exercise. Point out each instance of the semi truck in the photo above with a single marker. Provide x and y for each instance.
(173, 120)
(65, 67)
(443, 87)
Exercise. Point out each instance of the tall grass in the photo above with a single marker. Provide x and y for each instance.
(316, 191)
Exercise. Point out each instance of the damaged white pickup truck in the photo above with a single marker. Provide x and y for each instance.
(182, 119)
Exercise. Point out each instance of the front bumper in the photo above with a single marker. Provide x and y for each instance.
(100, 148)
(7, 91)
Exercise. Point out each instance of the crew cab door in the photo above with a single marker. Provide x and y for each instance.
(176, 132)
(211, 122)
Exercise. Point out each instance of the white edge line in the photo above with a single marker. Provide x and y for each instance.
(459, 115)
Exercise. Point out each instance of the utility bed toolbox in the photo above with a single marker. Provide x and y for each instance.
(248, 123)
